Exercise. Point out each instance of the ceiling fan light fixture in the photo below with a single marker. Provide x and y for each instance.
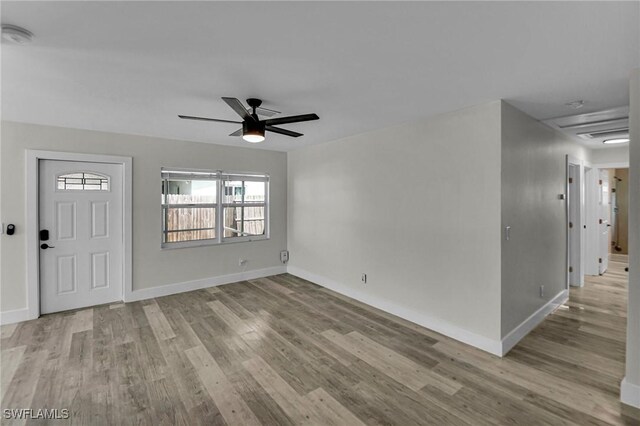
(253, 138)
(253, 131)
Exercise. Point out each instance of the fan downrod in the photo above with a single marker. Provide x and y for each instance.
(254, 103)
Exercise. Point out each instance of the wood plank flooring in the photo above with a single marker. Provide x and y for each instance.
(284, 351)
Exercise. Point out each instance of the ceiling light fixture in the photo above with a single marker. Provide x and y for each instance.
(16, 34)
(253, 131)
(615, 141)
(575, 104)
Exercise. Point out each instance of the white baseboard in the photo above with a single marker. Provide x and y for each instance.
(166, 290)
(499, 348)
(630, 393)
(443, 327)
(17, 315)
(518, 333)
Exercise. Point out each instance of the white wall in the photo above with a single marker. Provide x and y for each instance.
(415, 207)
(152, 266)
(631, 383)
(533, 175)
(608, 156)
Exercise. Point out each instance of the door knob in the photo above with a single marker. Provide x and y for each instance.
(45, 246)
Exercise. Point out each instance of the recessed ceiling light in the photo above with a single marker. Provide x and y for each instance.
(575, 104)
(617, 140)
(15, 34)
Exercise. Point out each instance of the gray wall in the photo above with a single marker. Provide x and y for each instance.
(533, 175)
(416, 207)
(633, 317)
(617, 155)
(151, 265)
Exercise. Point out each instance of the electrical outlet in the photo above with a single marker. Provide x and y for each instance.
(242, 262)
(363, 278)
(541, 291)
(284, 256)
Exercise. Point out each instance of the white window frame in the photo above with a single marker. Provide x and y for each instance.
(220, 177)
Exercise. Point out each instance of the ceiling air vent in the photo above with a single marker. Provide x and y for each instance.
(593, 128)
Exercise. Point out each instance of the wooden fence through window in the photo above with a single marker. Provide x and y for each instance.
(197, 218)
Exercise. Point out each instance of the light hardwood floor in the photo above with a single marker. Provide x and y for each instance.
(282, 351)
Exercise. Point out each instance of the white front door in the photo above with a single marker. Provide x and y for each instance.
(604, 207)
(81, 211)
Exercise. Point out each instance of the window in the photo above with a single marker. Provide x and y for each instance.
(82, 181)
(203, 207)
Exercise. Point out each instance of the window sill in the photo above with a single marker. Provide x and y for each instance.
(212, 242)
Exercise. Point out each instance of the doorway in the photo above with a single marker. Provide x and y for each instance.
(78, 230)
(614, 239)
(606, 214)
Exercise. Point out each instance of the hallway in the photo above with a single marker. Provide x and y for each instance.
(583, 342)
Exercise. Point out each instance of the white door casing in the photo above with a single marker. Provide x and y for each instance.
(592, 214)
(575, 220)
(574, 230)
(84, 264)
(604, 222)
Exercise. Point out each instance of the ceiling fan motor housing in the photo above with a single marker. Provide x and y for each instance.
(253, 127)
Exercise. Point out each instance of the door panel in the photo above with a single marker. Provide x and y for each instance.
(67, 273)
(81, 206)
(66, 220)
(100, 270)
(100, 219)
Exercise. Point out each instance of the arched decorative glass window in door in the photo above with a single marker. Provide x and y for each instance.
(82, 181)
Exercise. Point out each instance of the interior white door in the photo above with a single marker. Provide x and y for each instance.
(81, 258)
(604, 221)
(574, 230)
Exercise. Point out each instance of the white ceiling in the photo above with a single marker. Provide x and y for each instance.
(131, 67)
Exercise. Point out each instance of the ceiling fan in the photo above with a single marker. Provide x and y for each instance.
(253, 128)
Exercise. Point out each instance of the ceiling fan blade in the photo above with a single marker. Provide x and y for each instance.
(237, 133)
(283, 131)
(237, 106)
(190, 117)
(291, 119)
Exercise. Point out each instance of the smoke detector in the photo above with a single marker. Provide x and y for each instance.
(575, 104)
(16, 34)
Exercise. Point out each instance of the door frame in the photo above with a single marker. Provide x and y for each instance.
(591, 234)
(592, 188)
(32, 213)
(575, 197)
